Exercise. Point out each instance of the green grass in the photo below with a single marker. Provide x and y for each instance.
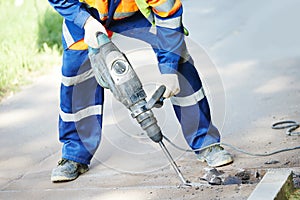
(30, 44)
(295, 195)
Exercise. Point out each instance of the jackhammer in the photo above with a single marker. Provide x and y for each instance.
(113, 71)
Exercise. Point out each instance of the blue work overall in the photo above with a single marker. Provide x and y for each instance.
(81, 99)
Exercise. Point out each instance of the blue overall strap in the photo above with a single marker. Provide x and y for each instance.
(113, 4)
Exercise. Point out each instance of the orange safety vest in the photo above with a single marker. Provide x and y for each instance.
(125, 8)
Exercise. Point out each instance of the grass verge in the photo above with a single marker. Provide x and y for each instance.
(29, 41)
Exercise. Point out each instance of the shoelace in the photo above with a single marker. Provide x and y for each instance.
(62, 161)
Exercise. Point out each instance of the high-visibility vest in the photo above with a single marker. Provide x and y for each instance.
(126, 8)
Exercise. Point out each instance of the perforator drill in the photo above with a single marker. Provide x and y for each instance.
(113, 71)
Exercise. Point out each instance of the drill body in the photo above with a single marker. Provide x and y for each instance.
(113, 71)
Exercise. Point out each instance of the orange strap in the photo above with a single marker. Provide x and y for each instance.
(81, 45)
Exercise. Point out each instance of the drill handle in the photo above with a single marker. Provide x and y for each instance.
(157, 98)
(102, 40)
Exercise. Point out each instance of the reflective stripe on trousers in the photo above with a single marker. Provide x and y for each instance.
(81, 100)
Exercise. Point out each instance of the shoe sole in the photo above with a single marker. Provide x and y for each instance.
(220, 164)
(57, 179)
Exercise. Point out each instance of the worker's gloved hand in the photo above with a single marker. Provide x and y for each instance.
(91, 28)
(172, 84)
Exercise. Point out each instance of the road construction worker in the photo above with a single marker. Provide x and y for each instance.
(81, 98)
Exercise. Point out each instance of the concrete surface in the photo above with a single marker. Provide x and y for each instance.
(248, 54)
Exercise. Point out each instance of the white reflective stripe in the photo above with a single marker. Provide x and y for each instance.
(123, 14)
(189, 100)
(166, 6)
(168, 23)
(68, 81)
(102, 15)
(67, 35)
(86, 112)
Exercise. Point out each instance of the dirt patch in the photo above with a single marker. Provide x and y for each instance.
(244, 176)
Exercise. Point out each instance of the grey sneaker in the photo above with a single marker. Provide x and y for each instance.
(68, 170)
(215, 156)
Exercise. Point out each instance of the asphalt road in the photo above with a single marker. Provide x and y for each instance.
(248, 55)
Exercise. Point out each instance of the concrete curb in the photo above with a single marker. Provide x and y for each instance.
(274, 185)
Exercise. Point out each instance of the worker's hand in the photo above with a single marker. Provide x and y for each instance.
(91, 28)
(172, 84)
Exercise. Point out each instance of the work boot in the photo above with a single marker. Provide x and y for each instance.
(215, 156)
(68, 170)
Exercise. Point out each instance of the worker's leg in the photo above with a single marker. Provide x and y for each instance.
(193, 112)
(81, 102)
(191, 107)
(81, 99)
(80, 117)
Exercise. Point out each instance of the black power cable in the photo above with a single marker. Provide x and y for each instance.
(290, 125)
